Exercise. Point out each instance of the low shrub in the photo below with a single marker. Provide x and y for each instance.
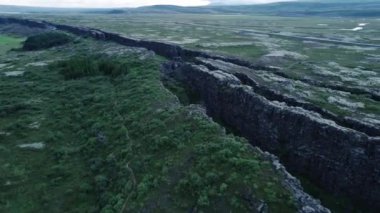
(89, 65)
(46, 40)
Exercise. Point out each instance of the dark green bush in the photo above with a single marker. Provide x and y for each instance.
(89, 65)
(111, 67)
(46, 40)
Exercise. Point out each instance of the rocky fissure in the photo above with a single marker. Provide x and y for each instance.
(246, 76)
(339, 159)
(341, 156)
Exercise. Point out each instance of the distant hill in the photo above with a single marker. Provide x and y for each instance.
(339, 8)
(340, 1)
(333, 8)
(27, 9)
(172, 9)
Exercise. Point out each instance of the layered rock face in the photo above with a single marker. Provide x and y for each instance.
(339, 159)
(338, 155)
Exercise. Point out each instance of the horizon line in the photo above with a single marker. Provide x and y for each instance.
(131, 7)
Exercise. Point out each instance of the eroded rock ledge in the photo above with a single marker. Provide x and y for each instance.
(341, 160)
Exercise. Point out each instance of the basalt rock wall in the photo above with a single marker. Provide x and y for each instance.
(163, 49)
(339, 159)
(26, 22)
(371, 130)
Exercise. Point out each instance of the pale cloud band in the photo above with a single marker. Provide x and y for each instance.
(126, 3)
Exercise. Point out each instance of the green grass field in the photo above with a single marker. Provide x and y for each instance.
(7, 43)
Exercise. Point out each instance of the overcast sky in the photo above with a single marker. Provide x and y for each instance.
(126, 3)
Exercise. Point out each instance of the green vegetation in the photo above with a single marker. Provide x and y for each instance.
(122, 143)
(7, 43)
(46, 40)
(246, 52)
(90, 65)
